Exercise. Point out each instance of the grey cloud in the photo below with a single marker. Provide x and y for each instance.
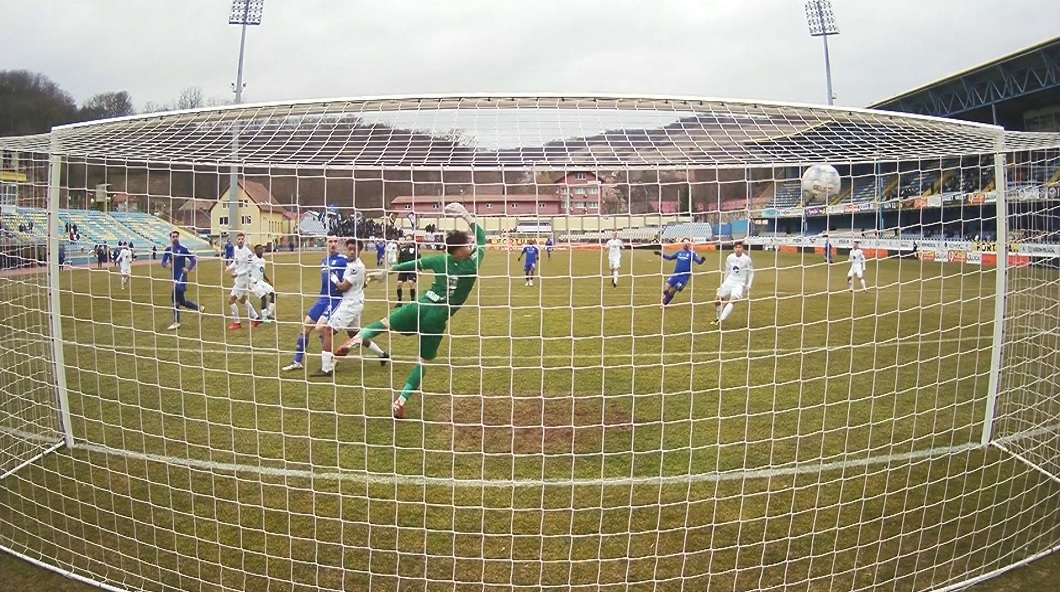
(329, 48)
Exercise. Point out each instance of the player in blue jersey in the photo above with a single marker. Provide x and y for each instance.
(530, 265)
(228, 253)
(682, 270)
(380, 253)
(332, 268)
(181, 261)
(548, 247)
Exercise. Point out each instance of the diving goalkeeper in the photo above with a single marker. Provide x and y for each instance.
(454, 276)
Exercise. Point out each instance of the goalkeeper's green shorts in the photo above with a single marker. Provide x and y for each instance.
(428, 320)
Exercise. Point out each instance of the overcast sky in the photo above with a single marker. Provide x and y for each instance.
(756, 49)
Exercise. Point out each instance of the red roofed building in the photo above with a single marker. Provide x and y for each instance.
(431, 206)
(582, 193)
(262, 218)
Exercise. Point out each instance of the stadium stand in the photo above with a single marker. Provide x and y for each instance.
(154, 231)
(787, 195)
(95, 227)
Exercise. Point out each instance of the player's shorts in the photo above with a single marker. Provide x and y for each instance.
(126, 270)
(260, 289)
(730, 290)
(241, 286)
(679, 280)
(426, 319)
(406, 276)
(614, 262)
(321, 308)
(347, 315)
(527, 268)
(392, 259)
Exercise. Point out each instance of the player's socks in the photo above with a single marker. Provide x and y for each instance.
(412, 383)
(235, 312)
(299, 349)
(327, 361)
(374, 348)
(863, 286)
(399, 292)
(251, 313)
(412, 294)
(725, 311)
(371, 331)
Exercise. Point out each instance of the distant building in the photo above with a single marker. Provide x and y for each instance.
(582, 193)
(431, 206)
(262, 218)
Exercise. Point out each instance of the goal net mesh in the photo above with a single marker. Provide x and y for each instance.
(862, 427)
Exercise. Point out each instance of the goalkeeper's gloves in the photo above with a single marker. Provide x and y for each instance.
(458, 210)
(334, 278)
(375, 274)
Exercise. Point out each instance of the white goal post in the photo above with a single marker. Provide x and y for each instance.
(622, 401)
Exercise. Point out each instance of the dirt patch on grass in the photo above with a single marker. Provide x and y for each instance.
(535, 425)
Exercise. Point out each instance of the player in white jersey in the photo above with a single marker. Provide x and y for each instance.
(124, 260)
(347, 315)
(614, 257)
(261, 286)
(391, 253)
(857, 267)
(242, 263)
(739, 275)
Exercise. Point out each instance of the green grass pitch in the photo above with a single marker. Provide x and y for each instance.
(570, 435)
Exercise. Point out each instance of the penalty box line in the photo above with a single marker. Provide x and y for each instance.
(692, 355)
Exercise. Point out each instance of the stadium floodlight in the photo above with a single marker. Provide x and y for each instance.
(821, 19)
(245, 13)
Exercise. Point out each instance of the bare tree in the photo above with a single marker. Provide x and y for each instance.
(107, 105)
(190, 98)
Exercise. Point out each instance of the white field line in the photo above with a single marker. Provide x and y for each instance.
(511, 358)
(363, 477)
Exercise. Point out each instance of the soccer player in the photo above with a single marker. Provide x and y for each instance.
(739, 274)
(380, 253)
(240, 266)
(391, 253)
(614, 257)
(857, 267)
(530, 252)
(454, 277)
(178, 258)
(125, 264)
(682, 270)
(261, 285)
(408, 253)
(228, 252)
(347, 315)
(548, 247)
(317, 315)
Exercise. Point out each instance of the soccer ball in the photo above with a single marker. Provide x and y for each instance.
(821, 180)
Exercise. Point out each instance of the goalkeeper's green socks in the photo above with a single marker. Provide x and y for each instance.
(412, 383)
(372, 330)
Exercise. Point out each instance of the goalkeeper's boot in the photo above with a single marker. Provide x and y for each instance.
(384, 358)
(398, 409)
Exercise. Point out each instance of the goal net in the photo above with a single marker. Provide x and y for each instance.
(645, 358)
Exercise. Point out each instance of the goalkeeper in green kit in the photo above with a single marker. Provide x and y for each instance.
(454, 276)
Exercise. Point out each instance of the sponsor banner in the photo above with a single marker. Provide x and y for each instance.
(927, 255)
(817, 211)
(974, 258)
(942, 248)
(957, 256)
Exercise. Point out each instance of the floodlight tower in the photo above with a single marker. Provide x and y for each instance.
(821, 19)
(246, 13)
